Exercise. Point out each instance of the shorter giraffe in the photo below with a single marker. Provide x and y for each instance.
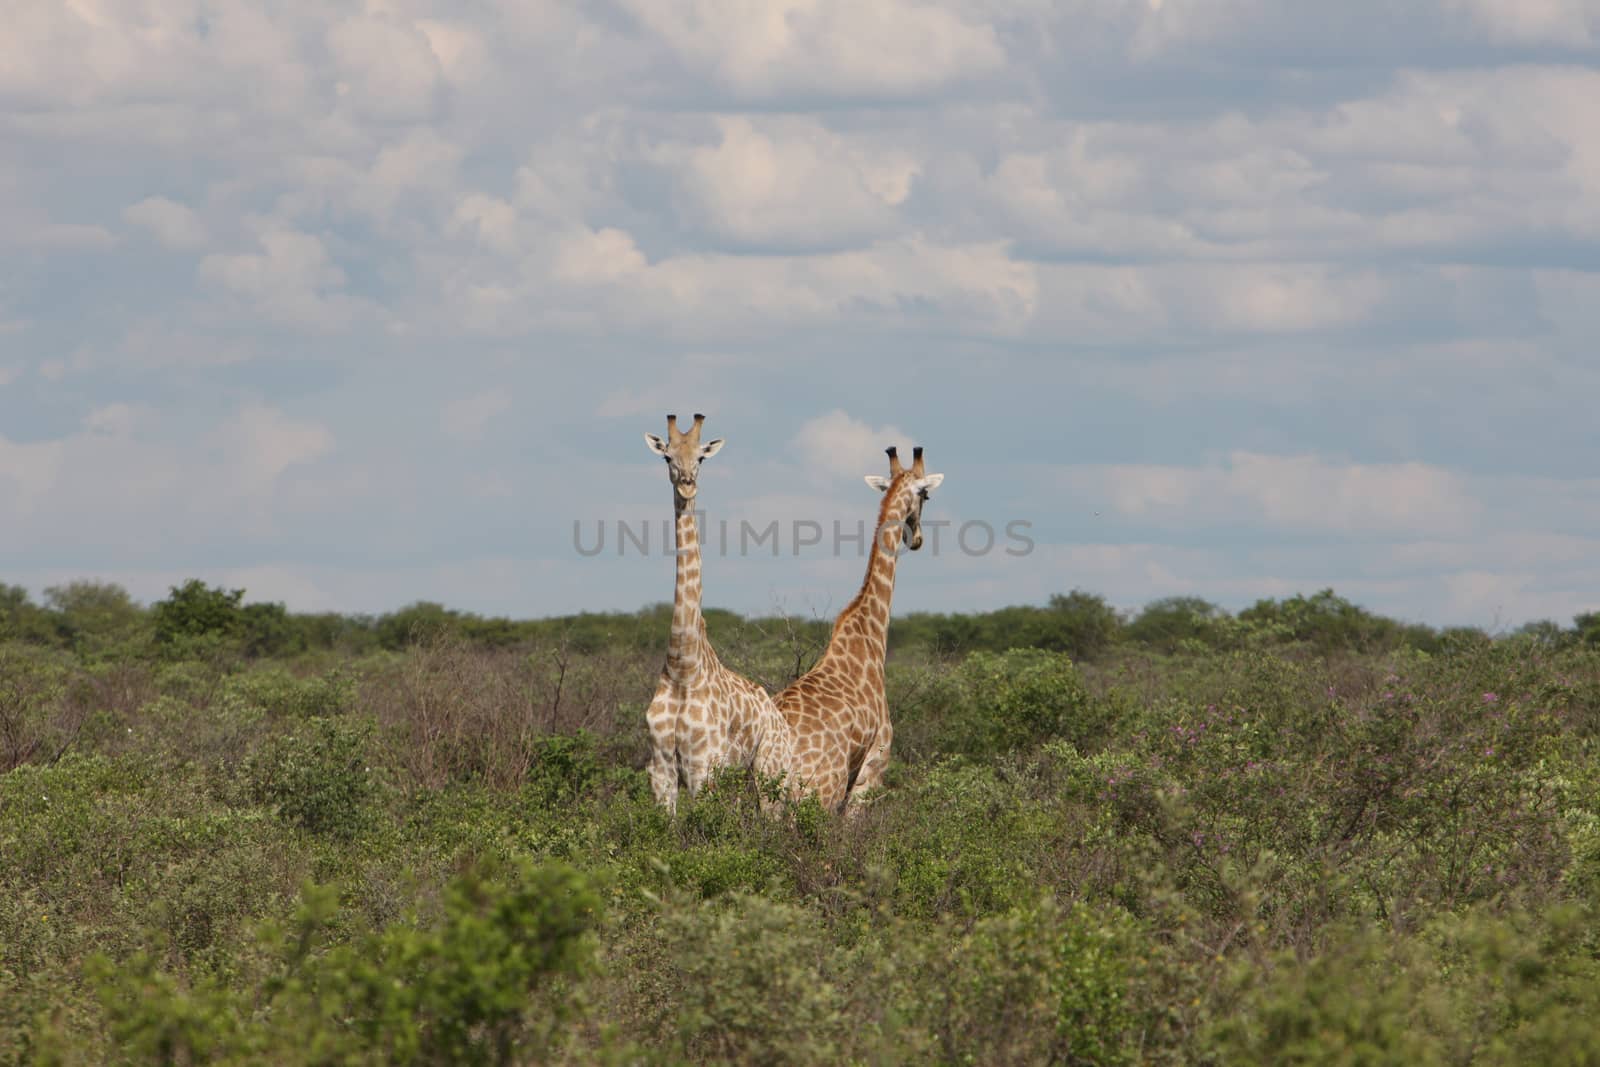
(704, 716)
(838, 709)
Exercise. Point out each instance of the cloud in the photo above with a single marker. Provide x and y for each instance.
(790, 183)
(173, 224)
(825, 48)
(292, 280)
(1304, 493)
(834, 446)
(1568, 23)
(263, 443)
(1306, 293)
(387, 68)
(466, 418)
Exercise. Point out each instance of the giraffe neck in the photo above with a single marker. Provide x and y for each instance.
(687, 650)
(867, 616)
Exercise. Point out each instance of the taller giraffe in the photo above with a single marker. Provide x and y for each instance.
(703, 716)
(838, 709)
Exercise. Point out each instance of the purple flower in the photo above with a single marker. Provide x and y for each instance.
(1490, 698)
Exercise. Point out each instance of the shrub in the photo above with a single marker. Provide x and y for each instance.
(565, 767)
(317, 778)
(471, 988)
(1512, 989)
(37, 722)
(1171, 623)
(195, 615)
(282, 695)
(98, 619)
(749, 984)
(1037, 985)
(999, 702)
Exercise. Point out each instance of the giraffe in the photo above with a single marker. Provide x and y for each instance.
(838, 709)
(703, 715)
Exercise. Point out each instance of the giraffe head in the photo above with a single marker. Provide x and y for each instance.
(913, 480)
(683, 453)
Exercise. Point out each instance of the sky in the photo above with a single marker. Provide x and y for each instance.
(358, 304)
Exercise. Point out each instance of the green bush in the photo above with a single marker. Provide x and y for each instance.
(319, 777)
(1479, 988)
(282, 695)
(35, 723)
(565, 767)
(749, 984)
(473, 987)
(1178, 622)
(1038, 985)
(1000, 702)
(1274, 850)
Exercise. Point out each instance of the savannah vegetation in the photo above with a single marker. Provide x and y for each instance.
(1301, 833)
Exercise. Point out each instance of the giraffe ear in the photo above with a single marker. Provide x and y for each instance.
(932, 481)
(878, 482)
(711, 449)
(657, 445)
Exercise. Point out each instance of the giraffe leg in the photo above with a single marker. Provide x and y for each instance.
(663, 751)
(775, 762)
(664, 777)
(870, 777)
(696, 773)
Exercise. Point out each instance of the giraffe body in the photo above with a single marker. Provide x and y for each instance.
(838, 710)
(703, 716)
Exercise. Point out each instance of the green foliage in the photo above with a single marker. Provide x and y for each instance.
(565, 767)
(318, 777)
(196, 618)
(21, 619)
(1175, 622)
(999, 702)
(97, 619)
(1036, 985)
(964, 847)
(33, 686)
(1079, 624)
(1329, 621)
(1475, 988)
(282, 695)
(1244, 844)
(745, 985)
(471, 988)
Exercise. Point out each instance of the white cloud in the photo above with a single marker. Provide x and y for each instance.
(387, 68)
(1291, 492)
(466, 418)
(835, 446)
(1567, 23)
(261, 443)
(1231, 221)
(279, 583)
(113, 420)
(597, 257)
(292, 281)
(836, 48)
(790, 182)
(173, 224)
(697, 383)
(29, 472)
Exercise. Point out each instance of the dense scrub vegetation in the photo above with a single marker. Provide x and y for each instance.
(1299, 834)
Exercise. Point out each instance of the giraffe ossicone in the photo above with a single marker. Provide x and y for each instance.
(703, 715)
